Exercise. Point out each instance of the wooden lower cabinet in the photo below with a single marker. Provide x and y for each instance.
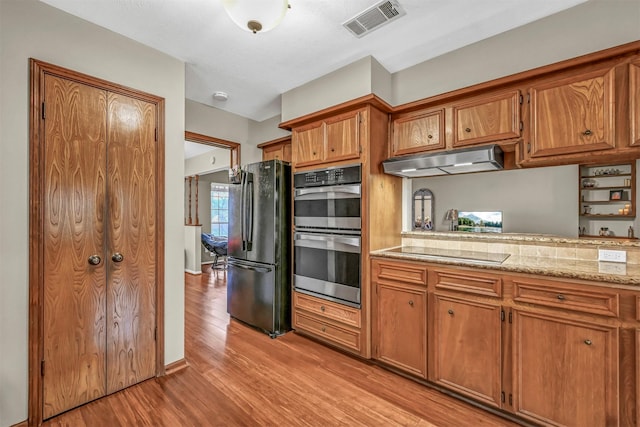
(466, 347)
(335, 324)
(401, 322)
(565, 372)
(550, 351)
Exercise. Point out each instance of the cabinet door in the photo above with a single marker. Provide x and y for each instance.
(565, 371)
(486, 119)
(402, 327)
(286, 152)
(634, 103)
(418, 132)
(308, 144)
(467, 347)
(573, 115)
(343, 140)
(272, 153)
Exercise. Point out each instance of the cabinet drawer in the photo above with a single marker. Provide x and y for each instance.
(559, 295)
(472, 283)
(400, 272)
(344, 337)
(328, 309)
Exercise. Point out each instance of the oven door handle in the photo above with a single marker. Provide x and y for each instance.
(328, 241)
(335, 191)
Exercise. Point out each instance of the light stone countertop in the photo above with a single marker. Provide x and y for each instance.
(561, 257)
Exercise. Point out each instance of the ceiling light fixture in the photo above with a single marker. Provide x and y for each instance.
(256, 15)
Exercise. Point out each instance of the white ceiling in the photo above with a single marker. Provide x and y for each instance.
(255, 69)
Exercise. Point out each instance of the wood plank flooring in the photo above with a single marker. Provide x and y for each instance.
(240, 377)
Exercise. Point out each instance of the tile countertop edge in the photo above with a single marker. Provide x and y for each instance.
(522, 238)
(628, 279)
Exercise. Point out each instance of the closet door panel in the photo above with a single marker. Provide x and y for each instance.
(74, 338)
(131, 196)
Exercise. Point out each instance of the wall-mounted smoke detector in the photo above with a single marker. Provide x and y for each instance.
(374, 17)
(220, 96)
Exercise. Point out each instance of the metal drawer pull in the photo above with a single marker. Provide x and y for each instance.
(587, 132)
(561, 297)
(322, 308)
(588, 342)
(411, 302)
(467, 130)
(450, 312)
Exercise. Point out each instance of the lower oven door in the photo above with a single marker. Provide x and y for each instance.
(328, 266)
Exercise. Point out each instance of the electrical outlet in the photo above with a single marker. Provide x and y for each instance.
(612, 256)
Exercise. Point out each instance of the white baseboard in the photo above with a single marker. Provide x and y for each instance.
(192, 271)
(206, 262)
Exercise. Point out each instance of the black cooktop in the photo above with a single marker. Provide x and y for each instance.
(459, 254)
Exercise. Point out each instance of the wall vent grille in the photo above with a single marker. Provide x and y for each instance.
(374, 17)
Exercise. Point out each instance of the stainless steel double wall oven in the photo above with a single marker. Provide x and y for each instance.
(327, 219)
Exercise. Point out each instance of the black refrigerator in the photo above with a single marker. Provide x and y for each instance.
(259, 264)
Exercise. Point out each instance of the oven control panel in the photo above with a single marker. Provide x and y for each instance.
(329, 176)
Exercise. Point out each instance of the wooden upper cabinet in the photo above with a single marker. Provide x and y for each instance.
(279, 149)
(343, 137)
(634, 103)
(494, 117)
(413, 133)
(573, 114)
(333, 139)
(308, 144)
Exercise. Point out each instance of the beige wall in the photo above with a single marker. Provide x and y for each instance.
(29, 28)
(217, 123)
(360, 78)
(588, 27)
(202, 163)
(539, 200)
(266, 130)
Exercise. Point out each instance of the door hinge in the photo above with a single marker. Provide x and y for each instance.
(502, 315)
(502, 397)
(510, 317)
(360, 149)
(42, 368)
(510, 399)
(43, 115)
(155, 334)
(528, 147)
(528, 98)
(521, 99)
(521, 126)
(156, 134)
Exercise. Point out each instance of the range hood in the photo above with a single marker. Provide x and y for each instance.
(466, 160)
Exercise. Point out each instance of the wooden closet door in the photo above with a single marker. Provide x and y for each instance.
(74, 338)
(131, 189)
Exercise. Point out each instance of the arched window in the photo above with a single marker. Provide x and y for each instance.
(423, 208)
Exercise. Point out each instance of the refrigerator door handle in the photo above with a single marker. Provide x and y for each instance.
(243, 186)
(249, 267)
(249, 213)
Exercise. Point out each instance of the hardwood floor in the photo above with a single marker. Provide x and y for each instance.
(240, 377)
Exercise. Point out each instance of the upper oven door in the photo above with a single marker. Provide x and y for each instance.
(335, 206)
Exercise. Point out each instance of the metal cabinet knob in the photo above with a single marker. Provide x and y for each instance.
(324, 329)
(588, 342)
(450, 312)
(561, 297)
(94, 260)
(467, 130)
(322, 308)
(411, 302)
(117, 257)
(587, 132)
(430, 136)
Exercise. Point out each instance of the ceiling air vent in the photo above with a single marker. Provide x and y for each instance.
(374, 17)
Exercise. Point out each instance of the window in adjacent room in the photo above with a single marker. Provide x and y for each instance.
(219, 209)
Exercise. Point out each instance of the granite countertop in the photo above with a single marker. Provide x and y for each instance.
(611, 273)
